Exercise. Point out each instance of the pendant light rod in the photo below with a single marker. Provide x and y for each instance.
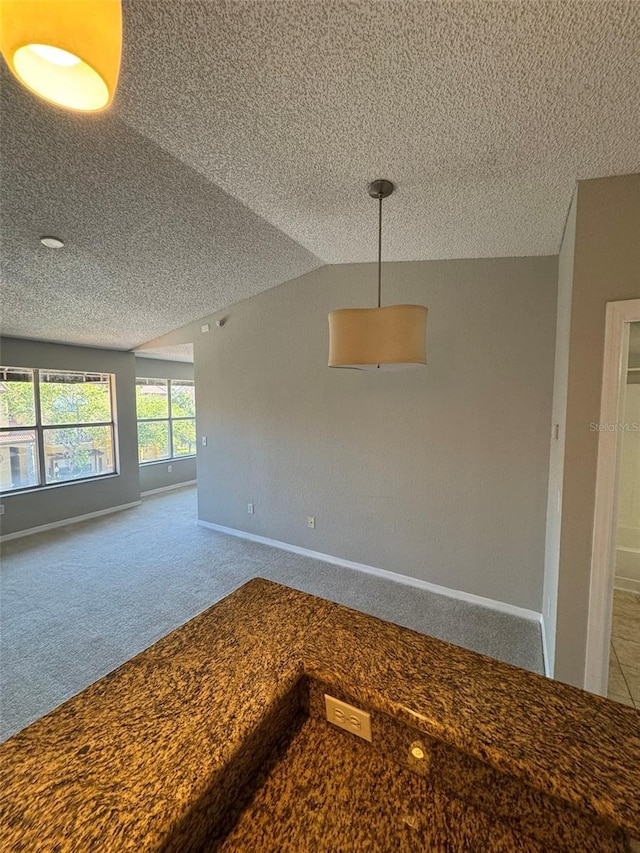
(379, 248)
(380, 189)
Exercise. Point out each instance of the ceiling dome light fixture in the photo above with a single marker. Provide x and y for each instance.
(66, 51)
(52, 242)
(379, 338)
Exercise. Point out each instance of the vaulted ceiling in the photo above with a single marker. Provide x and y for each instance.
(242, 137)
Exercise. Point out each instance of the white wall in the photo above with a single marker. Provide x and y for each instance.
(439, 472)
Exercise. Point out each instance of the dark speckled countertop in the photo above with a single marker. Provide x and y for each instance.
(168, 740)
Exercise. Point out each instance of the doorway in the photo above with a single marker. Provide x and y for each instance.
(613, 633)
(624, 654)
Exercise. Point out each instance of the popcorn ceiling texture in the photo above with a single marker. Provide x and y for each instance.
(150, 243)
(243, 135)
(483, 113)
(173, 352)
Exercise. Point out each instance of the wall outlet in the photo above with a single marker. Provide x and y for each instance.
(311, 522)
(204, 328)
(204, 440)
(169, 468)
(250, 509)
(347, 717)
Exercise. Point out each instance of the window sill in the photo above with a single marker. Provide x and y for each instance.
(168, 461)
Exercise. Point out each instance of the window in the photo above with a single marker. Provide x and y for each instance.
(55, 426)
(166, 419)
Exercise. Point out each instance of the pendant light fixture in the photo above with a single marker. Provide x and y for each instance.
(66, 51)
(382, 338)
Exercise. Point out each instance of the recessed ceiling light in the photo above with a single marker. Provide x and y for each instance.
(52, 242)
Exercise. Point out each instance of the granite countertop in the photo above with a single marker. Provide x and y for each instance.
(134, 758)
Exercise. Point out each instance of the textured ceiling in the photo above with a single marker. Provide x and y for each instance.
(483, 113)
(243, 135)
(149, 243)
(173, 352)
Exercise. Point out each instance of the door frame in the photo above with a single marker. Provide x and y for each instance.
(614, 376)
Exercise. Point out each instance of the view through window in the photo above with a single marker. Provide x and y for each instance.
(55, 426)
(166, 419)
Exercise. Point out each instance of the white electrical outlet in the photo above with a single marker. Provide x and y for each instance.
(204, 328)
(250, 509)
(204, 440)
(169, 468)
(311, 522)
(347, 717)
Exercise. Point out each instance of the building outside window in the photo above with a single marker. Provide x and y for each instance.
(166, 419)
(55, 426)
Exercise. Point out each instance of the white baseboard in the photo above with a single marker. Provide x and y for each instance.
(493, 604)
(545, 651)
(627, 584)
(168, 488)
(66, 521)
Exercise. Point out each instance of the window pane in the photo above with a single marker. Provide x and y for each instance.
(152, 398)
(18, 460)
(153, 440)
(72, 453)
(17, 406)
(183, 399)
(184, 437)
(74, 398)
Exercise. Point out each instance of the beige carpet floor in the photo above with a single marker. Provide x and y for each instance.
(77, 601)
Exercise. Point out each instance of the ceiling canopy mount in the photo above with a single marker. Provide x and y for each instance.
(380, 188)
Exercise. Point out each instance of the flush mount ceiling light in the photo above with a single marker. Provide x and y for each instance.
(382, 338)
(52, 242)
(66, 51)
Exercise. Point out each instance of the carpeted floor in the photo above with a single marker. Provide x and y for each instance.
(77, 601)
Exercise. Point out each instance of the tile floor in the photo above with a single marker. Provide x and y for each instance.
(624, 662)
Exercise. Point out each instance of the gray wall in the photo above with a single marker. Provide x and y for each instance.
(606, 268)
(158, 368)
(156, 475)
(558, 417)
(437, 472)
(56, 503)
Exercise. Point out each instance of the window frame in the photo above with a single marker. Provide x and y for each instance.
(169, 420)
(39, 428)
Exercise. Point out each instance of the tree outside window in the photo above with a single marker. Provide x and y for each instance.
(55, 426)
(166, 419)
